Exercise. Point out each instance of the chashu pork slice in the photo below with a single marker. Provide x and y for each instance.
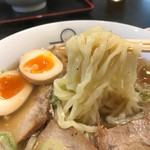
(57, 138)
(131, 136)
(34, 117)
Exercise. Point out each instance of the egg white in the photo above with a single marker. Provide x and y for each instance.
(10, 105)
(44, 77)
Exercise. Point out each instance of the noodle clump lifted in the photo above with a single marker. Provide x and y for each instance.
(100, 78)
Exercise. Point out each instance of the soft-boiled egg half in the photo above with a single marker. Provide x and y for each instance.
(14, 90)
(40, 66)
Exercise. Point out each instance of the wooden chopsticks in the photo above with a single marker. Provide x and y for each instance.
(146, 44)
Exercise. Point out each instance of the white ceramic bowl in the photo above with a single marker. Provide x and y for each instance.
(26, 5)
(14, 46)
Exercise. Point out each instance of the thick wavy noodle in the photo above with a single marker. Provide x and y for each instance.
(100, 78)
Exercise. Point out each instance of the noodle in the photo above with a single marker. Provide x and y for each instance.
(100, 77)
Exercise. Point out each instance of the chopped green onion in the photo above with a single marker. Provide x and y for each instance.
(52, 98)
(63, 87)
(52, 145)
(3, 71)
(144, 93)
(7, 141)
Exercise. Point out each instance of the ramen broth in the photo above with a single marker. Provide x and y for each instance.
(143, 72)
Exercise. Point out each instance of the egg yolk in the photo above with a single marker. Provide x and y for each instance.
(39, 64)
(10, 85)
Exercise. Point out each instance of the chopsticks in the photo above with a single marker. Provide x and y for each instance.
(145, 42)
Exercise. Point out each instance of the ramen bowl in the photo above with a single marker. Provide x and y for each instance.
(59, 32)
(26, 5)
